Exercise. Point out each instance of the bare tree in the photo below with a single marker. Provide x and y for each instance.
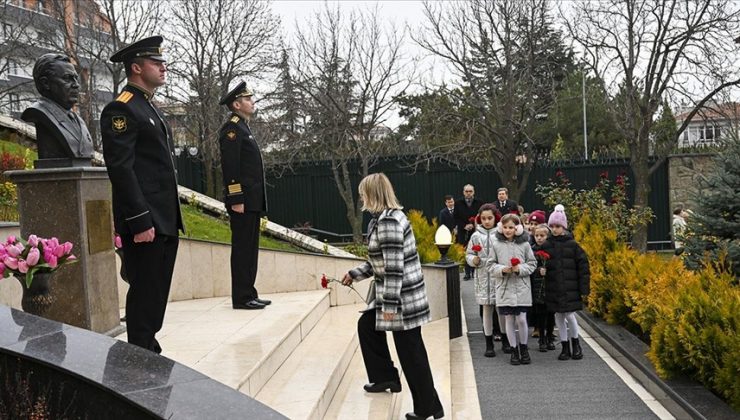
(509, 62)
(348, 67)
(648, 51)
(214, 43)
(130, 20)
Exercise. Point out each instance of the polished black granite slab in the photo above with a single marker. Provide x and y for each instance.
(149, 382)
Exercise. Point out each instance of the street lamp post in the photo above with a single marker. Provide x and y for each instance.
(585, 124)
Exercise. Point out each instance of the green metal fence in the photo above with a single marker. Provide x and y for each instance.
(308, 196)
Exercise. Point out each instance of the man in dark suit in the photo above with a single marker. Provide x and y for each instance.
(139, 155)
(447, 214)
(244, 195)
(503, 204)
(466, 209)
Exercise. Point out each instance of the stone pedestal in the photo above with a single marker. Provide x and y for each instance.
(454, 308)
(74, 204)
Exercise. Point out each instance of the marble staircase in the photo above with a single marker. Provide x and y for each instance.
(299, 356)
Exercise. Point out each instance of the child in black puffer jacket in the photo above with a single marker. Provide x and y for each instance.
(567, 282)
(539, 308)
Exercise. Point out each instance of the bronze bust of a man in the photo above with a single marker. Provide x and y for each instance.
(60, 132)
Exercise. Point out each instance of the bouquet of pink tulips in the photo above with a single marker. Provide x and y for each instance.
(24, 258)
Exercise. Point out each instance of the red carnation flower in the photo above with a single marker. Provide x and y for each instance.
(477, 248)
(471, 219)
(543, 255)
(324, 281)
(515, 262)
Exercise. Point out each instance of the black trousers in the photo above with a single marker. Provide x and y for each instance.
(149, 267)
(245, 240)
(413, 357)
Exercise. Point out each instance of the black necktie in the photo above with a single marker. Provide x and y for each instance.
(503, 203)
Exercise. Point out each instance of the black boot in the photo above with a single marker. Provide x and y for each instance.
(524, 351)
(505, 346)
(577, 352)
(515, 360)
(543, 344)
(565, 353)
(551, 342)
(489, 347)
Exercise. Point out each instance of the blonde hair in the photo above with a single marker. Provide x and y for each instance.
(511, 217)
(542, 226)
(377, 193)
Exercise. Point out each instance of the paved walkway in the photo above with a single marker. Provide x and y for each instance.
(595, 387)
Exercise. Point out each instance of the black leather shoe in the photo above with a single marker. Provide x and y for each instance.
(437, 415)
(264, 301)
(382, 386)
(252, 304)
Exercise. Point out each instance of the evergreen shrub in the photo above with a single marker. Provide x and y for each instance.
(424, 232)
(692, 318)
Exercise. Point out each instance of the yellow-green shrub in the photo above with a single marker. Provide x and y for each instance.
(610, 262)
(424, 233)
(692, 318)
(698, 336)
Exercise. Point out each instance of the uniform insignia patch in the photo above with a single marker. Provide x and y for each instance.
(235, 119)
(119, 124)
(231, 134)
(125, 97)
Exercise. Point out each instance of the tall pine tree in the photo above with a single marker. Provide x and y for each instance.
(715, 225)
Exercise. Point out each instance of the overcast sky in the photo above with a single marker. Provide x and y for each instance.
(300, 13)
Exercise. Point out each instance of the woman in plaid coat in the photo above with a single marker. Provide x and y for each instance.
(399, 303)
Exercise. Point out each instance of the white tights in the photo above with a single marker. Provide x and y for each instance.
(514, 322)
(488, 319)
(571, 331)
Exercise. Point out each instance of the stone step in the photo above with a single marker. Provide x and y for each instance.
(437, 343)
(240, 348)
(351, 401)
(305, 384)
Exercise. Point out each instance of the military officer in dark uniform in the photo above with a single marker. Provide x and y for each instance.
(244, 195)
(139, 155)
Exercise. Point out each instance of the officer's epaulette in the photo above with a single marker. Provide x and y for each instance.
(125, 97)
(234, 119)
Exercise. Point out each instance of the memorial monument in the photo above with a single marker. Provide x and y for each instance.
(66, 197)
(61, 135)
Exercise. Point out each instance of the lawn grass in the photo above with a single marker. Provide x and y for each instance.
(199, 225)
(17, 149)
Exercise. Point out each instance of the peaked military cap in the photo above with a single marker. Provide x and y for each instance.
(239, 91)
(150, 48)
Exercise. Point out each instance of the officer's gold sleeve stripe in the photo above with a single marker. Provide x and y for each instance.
(125, 97)
(235, 188)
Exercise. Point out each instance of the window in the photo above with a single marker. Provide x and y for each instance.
(41, 6)
(7, 31)
(13, 67)
(15, 102)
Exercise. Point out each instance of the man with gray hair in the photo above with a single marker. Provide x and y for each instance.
(60, 132)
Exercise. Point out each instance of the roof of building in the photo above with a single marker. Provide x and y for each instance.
(713, 111)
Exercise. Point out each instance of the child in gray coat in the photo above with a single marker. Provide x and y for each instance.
(511, 267)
